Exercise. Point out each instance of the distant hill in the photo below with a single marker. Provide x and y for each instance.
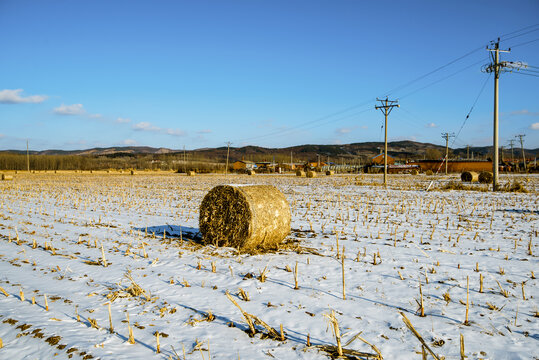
(365, 150)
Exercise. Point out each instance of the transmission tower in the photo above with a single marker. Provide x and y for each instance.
(446, 136)
(386, 107)
(497, 67)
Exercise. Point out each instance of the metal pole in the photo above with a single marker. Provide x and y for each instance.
(227, 153)
(495, 177)
(27, 157)
(385, 146)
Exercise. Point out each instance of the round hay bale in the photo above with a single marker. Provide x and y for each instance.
(414, 172)
(132, 172)
(311, 174)
(244, 217)
(250, 172)
(485, 177)
(191, 173)
(429, 173)
(469, 176)
(7, 177)
(330, 172)
(300, 173)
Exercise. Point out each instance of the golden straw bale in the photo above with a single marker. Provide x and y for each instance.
(250, 172)
(300, 173)
(311, 174)
(7, 177)
(469, 176)
(245, 217)
(190, 173)
(485, 177)
(414, 172)
(330, 172)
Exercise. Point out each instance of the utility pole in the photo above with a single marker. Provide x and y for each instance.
(521, 136)
(227, 153)
(497, 67)
(386, 107)
(501, 152)
(27, 157)
(446, 136)
(511, 143)
(184, 160)
(468, 152)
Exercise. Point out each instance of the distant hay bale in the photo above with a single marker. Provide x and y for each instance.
(191, 173)
(250, 172)
(469, 176)
(429, 173)
(485, 177)
(133, 172)
(311, 174)
(330, 172)
(300, 173)
(245, 217)
(7, 177)
(414, 172)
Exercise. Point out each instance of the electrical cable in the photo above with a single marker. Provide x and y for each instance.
(515, 36)
(516, 31)
(471, 109)
(524, 43)
(431, 72)
(444, 78)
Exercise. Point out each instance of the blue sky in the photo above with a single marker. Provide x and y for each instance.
(81, 74)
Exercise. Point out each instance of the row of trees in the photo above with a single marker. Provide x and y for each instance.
(176, 162)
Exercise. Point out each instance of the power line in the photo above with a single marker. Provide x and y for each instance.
(516, 31)
(515, 36)
(442, 79)
(432, 72)
(279, 132)
(471, 109)
(524, 43)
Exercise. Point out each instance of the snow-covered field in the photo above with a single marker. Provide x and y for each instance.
(56, 228)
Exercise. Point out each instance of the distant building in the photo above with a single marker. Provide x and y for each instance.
(379, 159)
(454, 165)
(243, 165)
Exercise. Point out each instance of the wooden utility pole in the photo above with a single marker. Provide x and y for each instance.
(386, 107)
(446, 136)
(521, 137)
(227, 153)
(511, 143)
(27, 157)
(184, 161)
(467, 152)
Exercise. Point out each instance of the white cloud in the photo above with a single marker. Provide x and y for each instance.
(205, 131)
(524, 112)
(8, 96)
(95, 116)
(146, 126)
(364, 127)
(534, 126)
(129, 142)
(75, 109)
(123, 120)
(431, 125)
(345, 130)
(2, 135)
